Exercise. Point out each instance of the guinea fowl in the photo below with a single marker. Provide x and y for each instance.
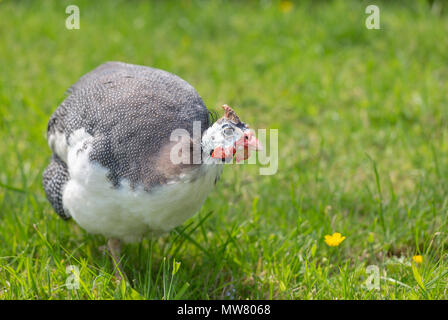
(112, 167)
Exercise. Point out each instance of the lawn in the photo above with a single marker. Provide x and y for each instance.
(363, 149)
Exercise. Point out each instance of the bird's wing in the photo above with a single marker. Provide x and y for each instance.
(130, 111)
(107, 68)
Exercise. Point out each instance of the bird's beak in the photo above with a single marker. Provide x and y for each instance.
(251, 142)
(245, 144)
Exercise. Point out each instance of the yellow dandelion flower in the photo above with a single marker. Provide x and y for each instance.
(417, 259)
(285, 6)
(334, 240)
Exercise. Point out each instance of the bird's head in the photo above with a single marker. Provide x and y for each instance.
(229, 137)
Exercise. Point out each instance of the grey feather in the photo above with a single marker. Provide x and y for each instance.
(55, 177)
(130, 111)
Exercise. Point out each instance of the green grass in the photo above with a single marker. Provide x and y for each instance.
(363, 148)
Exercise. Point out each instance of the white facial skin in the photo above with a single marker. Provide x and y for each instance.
(224, 139)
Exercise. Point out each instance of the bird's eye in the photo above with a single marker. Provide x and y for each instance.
(228, 131)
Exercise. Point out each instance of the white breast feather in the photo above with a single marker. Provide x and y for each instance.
(58, 144)
(122, 212)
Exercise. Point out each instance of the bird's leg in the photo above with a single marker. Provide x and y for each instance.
(114, 246)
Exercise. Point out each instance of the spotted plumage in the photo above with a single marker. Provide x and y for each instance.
(130, 111)
(112, 169)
